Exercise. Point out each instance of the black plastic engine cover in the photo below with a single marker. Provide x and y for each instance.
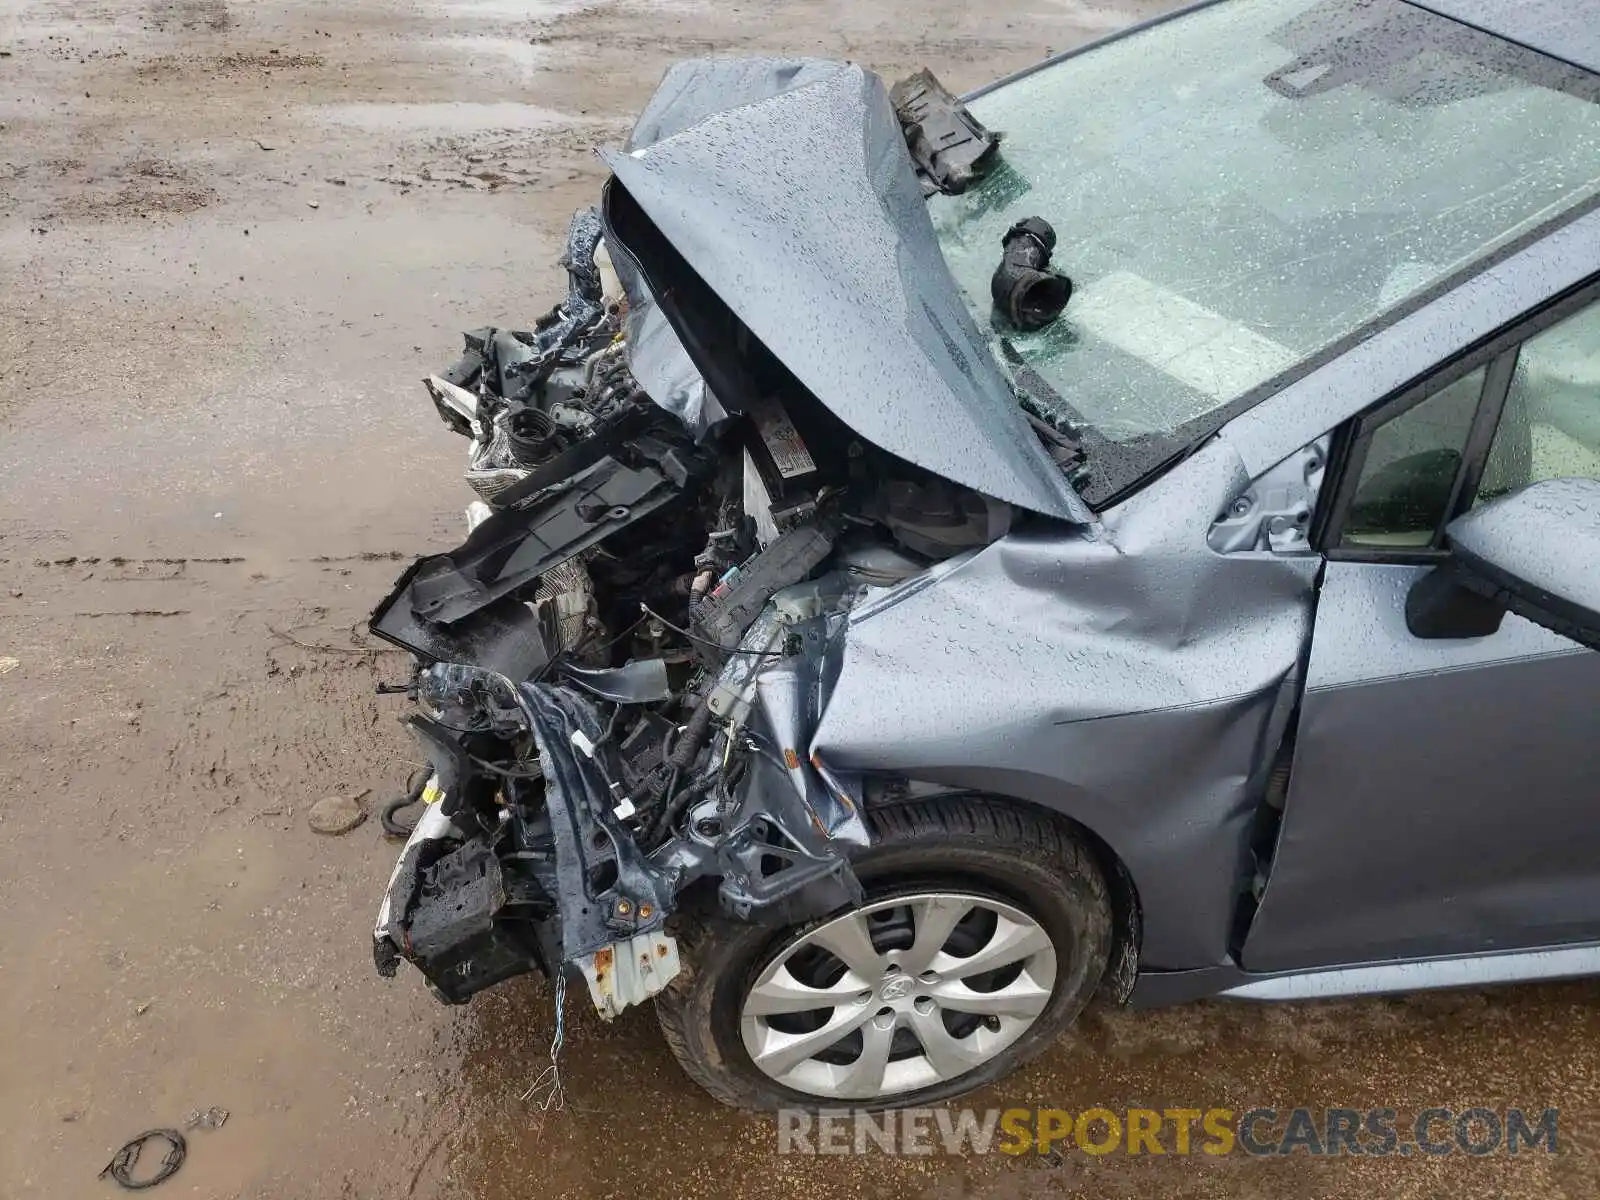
(454, 937)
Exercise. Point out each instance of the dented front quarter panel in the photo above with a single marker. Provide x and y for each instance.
(1127, 676)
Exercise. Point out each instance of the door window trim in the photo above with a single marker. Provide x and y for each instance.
(1497, 354)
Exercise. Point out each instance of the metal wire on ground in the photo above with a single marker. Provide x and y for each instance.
(548, 1086)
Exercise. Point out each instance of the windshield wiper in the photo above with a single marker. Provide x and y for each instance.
(1040, 403)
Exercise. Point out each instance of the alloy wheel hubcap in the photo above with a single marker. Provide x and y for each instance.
(898, 995)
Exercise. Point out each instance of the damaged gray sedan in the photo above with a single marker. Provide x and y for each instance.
(1133, 533)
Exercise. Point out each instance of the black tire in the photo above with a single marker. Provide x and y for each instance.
(990, 847)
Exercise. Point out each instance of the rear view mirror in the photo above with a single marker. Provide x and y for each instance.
(1534, 552)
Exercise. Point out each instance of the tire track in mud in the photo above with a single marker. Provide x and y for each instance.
(167, 684)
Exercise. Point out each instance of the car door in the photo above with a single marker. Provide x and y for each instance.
(1442, 791)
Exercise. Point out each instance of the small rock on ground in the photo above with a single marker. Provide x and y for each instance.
(335, 814)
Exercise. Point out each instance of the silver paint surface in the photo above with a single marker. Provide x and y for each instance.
(1157, 989)
(697, 88)
(1546, 535)
(689, 92)
(1564, 29)
(1137, 682)
(1442, 794)
(1138, 674)
(1374, 979)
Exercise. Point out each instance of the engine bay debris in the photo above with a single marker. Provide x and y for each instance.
(950, 146)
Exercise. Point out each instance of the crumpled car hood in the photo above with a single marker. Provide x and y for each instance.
(800, 208)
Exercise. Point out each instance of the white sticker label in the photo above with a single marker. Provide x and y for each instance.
(782, 439)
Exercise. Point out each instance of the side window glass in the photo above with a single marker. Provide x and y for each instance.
(1550, 426)
(1410, 467)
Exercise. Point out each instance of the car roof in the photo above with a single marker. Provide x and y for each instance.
(1567, 30)
(1564, 29)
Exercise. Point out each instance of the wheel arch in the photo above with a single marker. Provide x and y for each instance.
(1122, 967)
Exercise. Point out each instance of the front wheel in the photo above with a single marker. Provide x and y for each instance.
(985, 930)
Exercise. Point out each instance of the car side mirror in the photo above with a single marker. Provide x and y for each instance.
(1534, 552)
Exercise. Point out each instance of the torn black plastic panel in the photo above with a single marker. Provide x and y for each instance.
(506, 636)
(575, 501)
(952, 148)
(512, 549)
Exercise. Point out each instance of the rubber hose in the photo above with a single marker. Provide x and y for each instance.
(414, 789)
(1028, 293)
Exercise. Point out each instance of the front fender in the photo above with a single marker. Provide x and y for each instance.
(1130, 678)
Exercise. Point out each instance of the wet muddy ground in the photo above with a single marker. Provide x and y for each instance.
(232, 237)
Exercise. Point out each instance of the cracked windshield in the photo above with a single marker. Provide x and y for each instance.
(1232, 199)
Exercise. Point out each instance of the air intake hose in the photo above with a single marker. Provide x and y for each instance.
(1026, 291)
